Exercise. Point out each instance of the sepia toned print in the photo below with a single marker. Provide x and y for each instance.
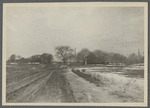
(75, 54)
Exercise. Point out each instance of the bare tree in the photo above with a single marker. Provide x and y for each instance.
(46, 58)
(12, 58)
(133, 58)
(72, 57)
(82, 55)
(63, 53)
(100, 55)
(34, 58)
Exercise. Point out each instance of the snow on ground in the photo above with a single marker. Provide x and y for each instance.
(117, 83)
(135, 68)
(120, 79)
(86, 92)
(115, 76)
(112, 68)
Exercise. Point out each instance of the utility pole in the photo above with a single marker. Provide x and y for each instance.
(75, 51)
(139, 57)
(75, 55)
(138, 52)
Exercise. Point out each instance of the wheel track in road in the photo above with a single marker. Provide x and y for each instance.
(11, 80)
(56, 90)
(24, 82)
(30, 99)
(68, 93)
(10, 97)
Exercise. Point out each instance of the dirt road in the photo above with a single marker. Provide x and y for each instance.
(38, 86)
(55, 90)
(34, 84)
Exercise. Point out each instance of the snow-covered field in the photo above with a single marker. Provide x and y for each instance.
(130, 71)
(126, 82)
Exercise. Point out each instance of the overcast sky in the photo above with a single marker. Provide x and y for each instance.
(37, 30)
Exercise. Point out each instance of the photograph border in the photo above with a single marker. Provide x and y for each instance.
(118, 4)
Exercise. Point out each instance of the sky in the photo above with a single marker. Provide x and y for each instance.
(38, 30)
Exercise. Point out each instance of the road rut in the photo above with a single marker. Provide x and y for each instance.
(56, 90)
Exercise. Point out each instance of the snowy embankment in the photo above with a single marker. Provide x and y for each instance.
(129, 88)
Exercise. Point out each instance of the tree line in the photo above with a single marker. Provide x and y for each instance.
(85, 56)
(44, 58)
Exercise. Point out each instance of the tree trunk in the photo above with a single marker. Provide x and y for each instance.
(84, 62)
(64, 62)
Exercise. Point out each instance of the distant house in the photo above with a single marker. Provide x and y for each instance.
(18, 57)
(13, 63)
(57, 62)
(14, 59)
